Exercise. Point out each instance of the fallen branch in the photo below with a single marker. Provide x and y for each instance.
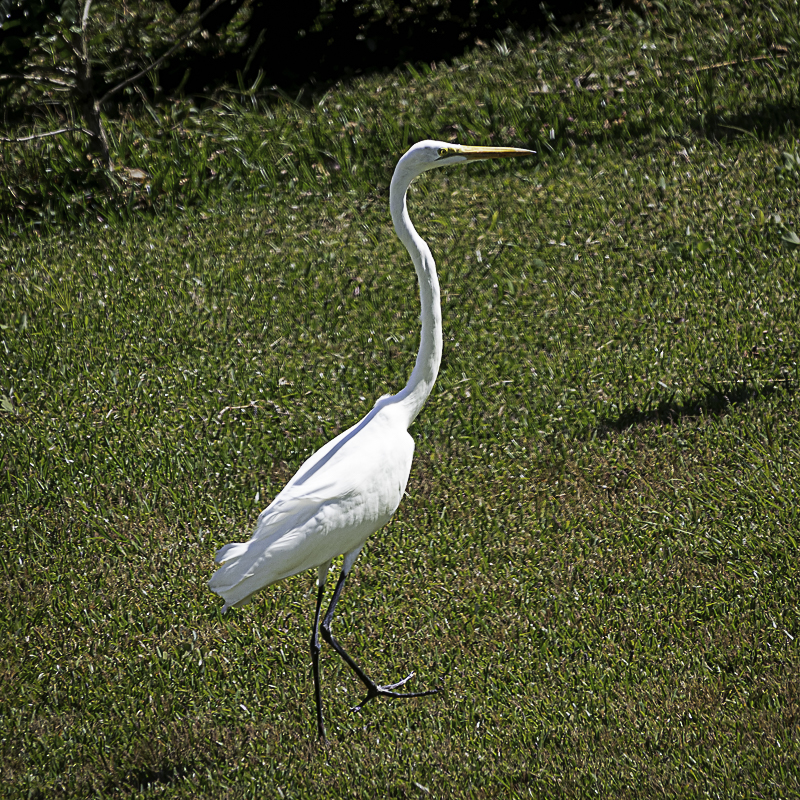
(37, 79)
(43, 135)
(740, 62)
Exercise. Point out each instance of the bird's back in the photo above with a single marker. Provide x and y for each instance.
(340, 495)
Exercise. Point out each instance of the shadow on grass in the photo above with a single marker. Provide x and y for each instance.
(146, 777)
(309, 44)
(714, 401)
(761, 122)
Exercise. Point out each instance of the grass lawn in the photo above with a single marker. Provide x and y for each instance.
(598, 550)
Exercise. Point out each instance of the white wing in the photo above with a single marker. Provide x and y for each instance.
(343, 493)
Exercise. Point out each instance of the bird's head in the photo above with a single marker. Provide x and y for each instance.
(431, 154)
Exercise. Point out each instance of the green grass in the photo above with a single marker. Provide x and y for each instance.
(598, 549)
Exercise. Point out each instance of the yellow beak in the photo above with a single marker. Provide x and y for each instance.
(477, 153)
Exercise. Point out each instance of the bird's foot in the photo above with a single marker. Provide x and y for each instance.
(373, 691)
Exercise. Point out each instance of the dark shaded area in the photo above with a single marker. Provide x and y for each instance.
(294, 45)
(19, 23)
(149, 777)
(762, 121)
(714, 401)
(298, 43)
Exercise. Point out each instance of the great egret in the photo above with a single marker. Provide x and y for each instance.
(351, 487)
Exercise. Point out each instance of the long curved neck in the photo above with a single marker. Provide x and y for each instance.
(419, 385)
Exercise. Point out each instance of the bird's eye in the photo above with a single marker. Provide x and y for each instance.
(446, 151)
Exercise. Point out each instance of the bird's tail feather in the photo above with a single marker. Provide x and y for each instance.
(248, 567)
(271, 554)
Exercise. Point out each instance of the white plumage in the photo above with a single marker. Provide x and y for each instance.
(344, 492)
(351, 487)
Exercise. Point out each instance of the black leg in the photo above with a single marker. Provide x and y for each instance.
(373, 690)
(315, 661)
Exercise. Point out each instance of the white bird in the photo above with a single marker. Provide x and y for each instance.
(351, 487)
